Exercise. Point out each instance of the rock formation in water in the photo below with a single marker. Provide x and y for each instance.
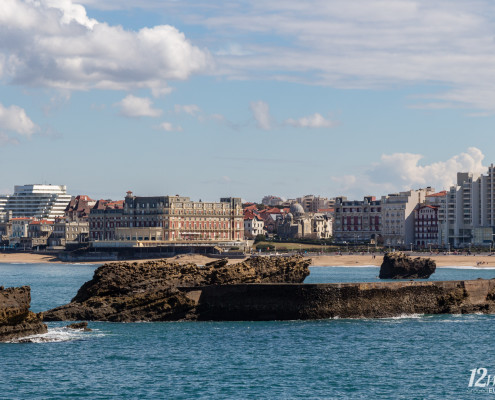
(399, 266)
(153, 291)
(16, 320)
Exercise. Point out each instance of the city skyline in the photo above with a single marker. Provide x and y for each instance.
(244, 99)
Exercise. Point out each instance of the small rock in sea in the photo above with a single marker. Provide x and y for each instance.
(80, 325)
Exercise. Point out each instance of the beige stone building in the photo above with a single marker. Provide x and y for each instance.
(170, 219)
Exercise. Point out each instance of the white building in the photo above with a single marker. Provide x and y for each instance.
(36, 201)
(398, 216)
(253, 226)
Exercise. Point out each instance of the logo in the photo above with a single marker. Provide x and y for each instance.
(481, 381)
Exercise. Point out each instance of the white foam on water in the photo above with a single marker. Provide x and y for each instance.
(405, 316)
(57, 335)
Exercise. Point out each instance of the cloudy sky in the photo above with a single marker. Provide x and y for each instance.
(245, 98)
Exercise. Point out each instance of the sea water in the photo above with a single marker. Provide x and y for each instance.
(408, 357)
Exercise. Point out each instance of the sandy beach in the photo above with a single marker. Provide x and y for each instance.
(481, 261)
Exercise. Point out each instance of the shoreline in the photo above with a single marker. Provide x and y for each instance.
(345, 260)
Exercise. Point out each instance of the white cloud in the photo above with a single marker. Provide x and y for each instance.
(261, 113)
(14, 119)
(132, 106)
(169, 127)
(313, 121)
(53, 43)
(353, 44)
(402, 171)
(191, 109)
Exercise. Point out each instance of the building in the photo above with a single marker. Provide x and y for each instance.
(36, 201)
(79, 208)
(168, 219)
(426, 226)
(357, 221)
(69, 232)
(272, 200)
(439, 201)
(253, 226)
(311, 203)
(104, 218)
(297, 224)
(398, 216)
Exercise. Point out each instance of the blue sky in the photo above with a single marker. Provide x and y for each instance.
(245, 98)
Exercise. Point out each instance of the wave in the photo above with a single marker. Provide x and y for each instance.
(58, 335)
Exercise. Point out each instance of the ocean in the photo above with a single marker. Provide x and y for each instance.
(408, 357)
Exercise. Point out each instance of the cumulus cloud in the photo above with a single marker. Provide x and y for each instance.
(169, 127)
(313, 121)
(54, 43)
(132, 106)
(14, 119)
(403, 171)
(261, 113)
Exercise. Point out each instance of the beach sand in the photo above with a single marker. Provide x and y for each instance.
(481, 261)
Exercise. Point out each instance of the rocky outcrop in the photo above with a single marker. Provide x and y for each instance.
(400, 266)
(15, 318)
(155, 290)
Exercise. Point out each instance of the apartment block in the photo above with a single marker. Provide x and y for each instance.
(398, 216)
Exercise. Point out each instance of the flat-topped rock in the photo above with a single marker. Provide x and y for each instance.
(397, 265)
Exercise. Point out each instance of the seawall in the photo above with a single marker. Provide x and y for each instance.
(340, 300)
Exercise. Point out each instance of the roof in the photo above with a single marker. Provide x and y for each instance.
(439, 194)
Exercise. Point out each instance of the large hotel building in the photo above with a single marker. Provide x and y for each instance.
(36, 201)
(168, 219)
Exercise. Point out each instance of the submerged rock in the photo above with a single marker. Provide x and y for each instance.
(79, 326)
(400, 266)
(153, 291)
(16, 320)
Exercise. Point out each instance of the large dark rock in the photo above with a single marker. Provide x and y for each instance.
(16, 320)
(400, 266)
(151, 291)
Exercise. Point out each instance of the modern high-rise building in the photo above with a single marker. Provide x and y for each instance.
(36, 201)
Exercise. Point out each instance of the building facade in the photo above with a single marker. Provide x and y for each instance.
(426, 226)
(398, 216)
(357, 221)
(169, 219)
(36, 201)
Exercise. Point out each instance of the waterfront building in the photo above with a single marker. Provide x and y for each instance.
(357, 221)
(168, 219)
(426, 226)
(67, 232)
(104, 218)
(36, 201)
(398, 216)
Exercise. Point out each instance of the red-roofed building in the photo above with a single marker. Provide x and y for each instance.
(79, 207)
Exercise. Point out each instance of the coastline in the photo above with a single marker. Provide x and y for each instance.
(357, 260)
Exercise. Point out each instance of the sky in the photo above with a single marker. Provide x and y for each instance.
(245, 98)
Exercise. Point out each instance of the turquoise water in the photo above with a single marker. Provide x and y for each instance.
(412, 357)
